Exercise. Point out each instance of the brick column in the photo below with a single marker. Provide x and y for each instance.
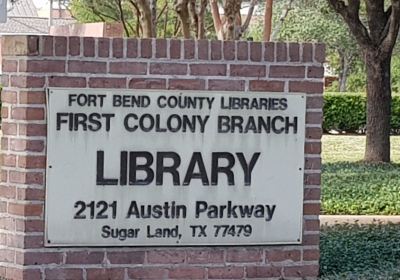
(32, 63)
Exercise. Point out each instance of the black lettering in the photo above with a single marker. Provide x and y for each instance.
(100, 180)
(134, 167)
(247, 168)
(173, 169)
(196, 159)
(227, 170)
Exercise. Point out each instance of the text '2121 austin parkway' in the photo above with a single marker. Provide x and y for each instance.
(136, 167)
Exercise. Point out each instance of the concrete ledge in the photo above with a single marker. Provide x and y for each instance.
(329, 220)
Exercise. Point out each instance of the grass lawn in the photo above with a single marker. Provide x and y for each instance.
(356, 252)
(351, 187)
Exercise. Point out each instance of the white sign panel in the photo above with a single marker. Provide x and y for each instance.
(169, 168)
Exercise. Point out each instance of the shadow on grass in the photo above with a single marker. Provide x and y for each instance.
(360, 252)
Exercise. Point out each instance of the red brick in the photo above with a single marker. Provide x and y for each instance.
(146, 48)
(294, 52)
(9, 65)
(129, 68)
(33, 45)
(26, 274)
(319, 53)
(88, 47)
(302, 271)
(27, 81)
(4, 176)
(205, 256)
(311, 225)
(226, 85)
(168, 68)
(314, 117)
(78, 82)
(263, 271)
(287, 71)
(311, 255)
(216, 50)
(136, 257)
(46, 46)
(155, 273)
(131, 48)
(229, 272)
(186, 273)
(314, 133)
(9, 96)
(282, 255)
(84, 257)
(202, 49)
(30, 225)
(248, 71)
(242, 50)
(5, 80)
(105, 274)
(103, 47)
(16, 241)
(25, 209)
(306, 86)
(34, 258)
(32, 129)
(78, 66)
(7, 191)
(118, 47)
(312, 179)
(187, 84)
(313, 164)
(4, 143)
(229, 48)
(32, 162)
(3, 207)
(208, 69)
(4, 112)
(315, 102)
(188, 49)
(74, 46)
(175, 49)
(244, 255)
(311, 208)
(60, 46)
(107, 82)
(7, 223)
(30, 194)
(147, 83)
(7, 255)
(311, 239)
(307, 52)
(63, 273)
(19, 113)
(161, 48)
(9, 128)
(281, 52)
(274, 86)
(255, 51)
(26, 177)
(9, 160)
(32, 97)
(269, 52)
(166, 256)
(315, 72)
(33, 242)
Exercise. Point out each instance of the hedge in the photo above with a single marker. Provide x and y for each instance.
(346, 112)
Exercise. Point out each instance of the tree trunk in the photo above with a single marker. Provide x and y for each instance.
(378, 107)
(344, 73)
(153, 8)
(145, 19)
(268, 20)
(181, 8)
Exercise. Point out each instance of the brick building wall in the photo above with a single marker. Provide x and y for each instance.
(32, 63)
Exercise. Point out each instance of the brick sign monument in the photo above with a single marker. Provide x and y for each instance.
(160, 159)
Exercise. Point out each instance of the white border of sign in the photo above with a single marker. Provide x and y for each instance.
(55, 225)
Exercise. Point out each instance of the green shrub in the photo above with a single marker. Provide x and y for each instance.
(347, 112)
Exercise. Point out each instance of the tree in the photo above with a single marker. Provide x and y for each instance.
(376, 39)
(312, 21)
(268, 19)
(230, 27)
